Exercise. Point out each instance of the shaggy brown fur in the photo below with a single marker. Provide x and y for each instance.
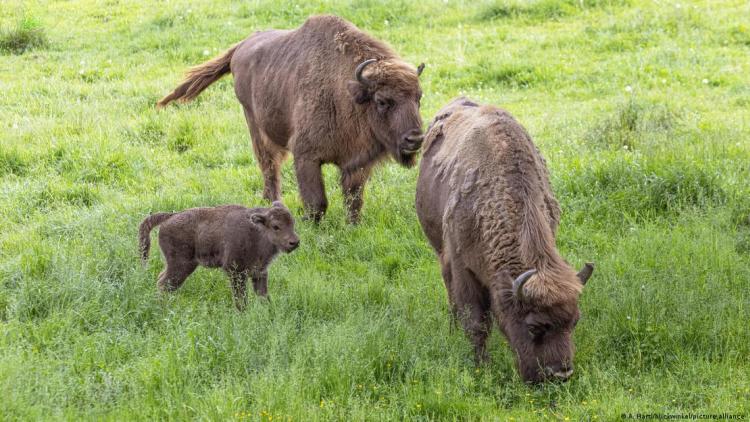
(299, 95)
(485, 203)
(242, 241)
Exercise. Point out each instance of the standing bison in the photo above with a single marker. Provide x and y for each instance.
(328, 93)
(485, 203)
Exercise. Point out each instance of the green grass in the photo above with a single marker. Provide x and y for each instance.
(640, 107)
(25, 35)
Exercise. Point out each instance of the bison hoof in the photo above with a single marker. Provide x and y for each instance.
(315, 217)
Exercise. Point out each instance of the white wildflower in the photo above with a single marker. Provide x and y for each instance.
(629, 88)
(206, 52)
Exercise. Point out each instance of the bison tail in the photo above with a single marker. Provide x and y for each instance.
(199, 78)
(144, 231)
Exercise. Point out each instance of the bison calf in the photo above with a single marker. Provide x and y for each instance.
(485, 203)
(242, 241)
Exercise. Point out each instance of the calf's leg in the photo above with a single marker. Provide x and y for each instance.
(260, 283)
(175, 274)
(239, 283)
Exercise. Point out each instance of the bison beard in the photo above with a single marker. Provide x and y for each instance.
(485, 204)
(327, 93)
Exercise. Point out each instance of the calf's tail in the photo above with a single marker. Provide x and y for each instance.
(199, 78)
(144, 231)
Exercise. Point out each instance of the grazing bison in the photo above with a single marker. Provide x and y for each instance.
(242, 241)
(485, 203)
(327, 92)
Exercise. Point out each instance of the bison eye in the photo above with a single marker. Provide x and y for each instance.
(276, 228)
(538, 330)
(382, 105)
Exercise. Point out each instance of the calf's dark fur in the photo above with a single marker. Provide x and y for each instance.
(241, 241)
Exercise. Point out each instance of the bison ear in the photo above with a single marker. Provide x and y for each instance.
(420, 68)
(586, 272)
(278, 204)
(258, 219)
(359, 92)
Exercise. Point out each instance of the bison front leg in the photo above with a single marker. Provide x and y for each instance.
(353, 186)
(472, 304)
(310, 182)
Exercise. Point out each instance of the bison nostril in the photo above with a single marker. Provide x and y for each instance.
(412, 142)
(563, 374)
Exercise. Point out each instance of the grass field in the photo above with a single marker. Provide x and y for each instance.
(642, 109)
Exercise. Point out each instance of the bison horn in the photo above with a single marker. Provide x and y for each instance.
(586, 272)
(519, 282)
(358, 72)
(420, 68)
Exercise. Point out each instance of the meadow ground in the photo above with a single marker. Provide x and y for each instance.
(642, 109)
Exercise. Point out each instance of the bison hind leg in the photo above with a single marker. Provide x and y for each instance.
(446, 269)
(175, 274)
(270, 157)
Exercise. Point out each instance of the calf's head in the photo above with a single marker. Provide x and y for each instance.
(540, 329)
(390, 92)
(278, 224)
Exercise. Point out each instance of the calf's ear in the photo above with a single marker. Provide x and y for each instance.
(359, 92)
(258, 219)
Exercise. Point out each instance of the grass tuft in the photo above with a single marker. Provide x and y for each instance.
(12, 161)
(634, 123)
(182, 138)
(541, 10)
(27, 34)
(642, 190)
